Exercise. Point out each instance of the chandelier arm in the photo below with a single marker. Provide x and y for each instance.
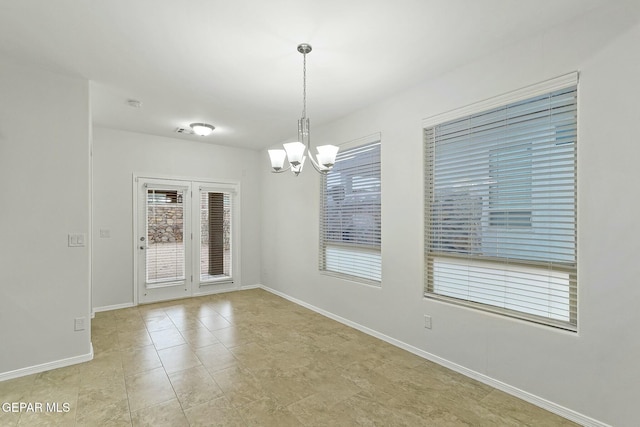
(303, 129)
(316, 166)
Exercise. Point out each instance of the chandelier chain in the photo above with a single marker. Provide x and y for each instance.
(304, 85)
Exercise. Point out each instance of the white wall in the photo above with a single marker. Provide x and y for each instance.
(595, 372)
(44, 171)
(117, 155)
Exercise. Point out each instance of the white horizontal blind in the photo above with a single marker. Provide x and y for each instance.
(500, 214)
(165, 251)
(215, 236)
(350, 215)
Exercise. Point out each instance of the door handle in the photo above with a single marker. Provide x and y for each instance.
(142, 247)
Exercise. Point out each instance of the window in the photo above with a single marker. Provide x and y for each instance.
(215, 236)
(350, 214)
(500, 205)
(165, 252)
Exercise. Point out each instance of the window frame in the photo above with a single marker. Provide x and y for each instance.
(549, 86)
(227, 259)
(374, 252)
(232, 190)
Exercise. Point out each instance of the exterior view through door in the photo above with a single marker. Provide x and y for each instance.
(185, 238)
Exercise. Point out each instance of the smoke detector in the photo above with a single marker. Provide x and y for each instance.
(134, 103)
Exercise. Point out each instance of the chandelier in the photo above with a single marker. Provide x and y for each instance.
(294, 152)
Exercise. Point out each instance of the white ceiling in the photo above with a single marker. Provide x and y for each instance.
(234, 63)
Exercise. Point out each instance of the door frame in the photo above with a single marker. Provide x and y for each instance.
(231, 186)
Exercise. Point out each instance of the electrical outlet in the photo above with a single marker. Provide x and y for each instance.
(76, 239)
(79, 324)
(427, 321)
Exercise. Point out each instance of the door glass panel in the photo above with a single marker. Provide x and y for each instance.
(165, 256)
(215, 236)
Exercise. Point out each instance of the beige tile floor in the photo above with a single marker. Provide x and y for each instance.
(253, 359)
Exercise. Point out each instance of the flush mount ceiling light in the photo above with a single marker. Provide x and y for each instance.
(294, 152)
(202, 129)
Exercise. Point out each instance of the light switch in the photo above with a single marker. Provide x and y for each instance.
(105, 233)
(427, 321)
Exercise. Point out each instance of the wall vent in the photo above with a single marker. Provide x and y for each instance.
(187, 131)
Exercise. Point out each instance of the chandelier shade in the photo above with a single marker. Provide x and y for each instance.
(297, 152)
(277, 158)
(327, 155)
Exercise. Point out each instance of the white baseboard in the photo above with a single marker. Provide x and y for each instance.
(213, 291)
(514, 391)
(48, 366)
(113, 307)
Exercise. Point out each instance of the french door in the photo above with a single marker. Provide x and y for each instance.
(185, 238)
